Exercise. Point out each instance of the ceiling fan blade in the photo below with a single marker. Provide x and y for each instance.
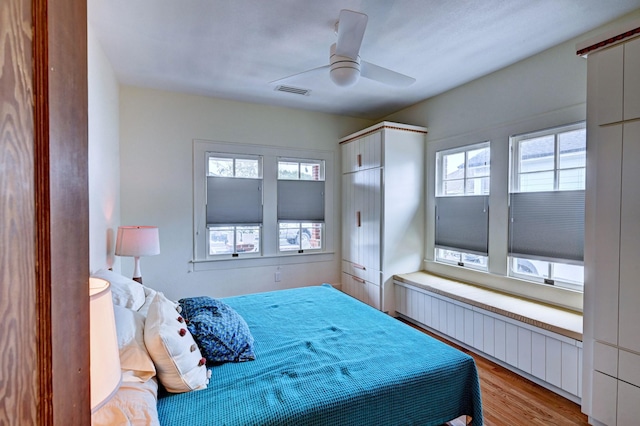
(308, 73)
(351, 26)
(384, 75)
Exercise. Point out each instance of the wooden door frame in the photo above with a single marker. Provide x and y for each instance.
(45, 216)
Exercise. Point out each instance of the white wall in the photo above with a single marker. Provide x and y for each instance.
(156, 164)
(104, 157)
(543, 91)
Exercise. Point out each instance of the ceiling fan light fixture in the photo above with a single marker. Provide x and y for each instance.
(345, 71)
(345, 76)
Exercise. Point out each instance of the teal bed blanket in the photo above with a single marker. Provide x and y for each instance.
(324, 358)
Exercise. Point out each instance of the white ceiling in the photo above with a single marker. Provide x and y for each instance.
(233, 49)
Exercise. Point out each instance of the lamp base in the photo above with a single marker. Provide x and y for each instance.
(137, 274)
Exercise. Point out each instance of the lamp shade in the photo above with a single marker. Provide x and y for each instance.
(105, 356)
(137, 241)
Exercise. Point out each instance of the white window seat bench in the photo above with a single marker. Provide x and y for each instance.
(538, 341)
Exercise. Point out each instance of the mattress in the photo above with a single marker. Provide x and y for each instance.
(325, 358)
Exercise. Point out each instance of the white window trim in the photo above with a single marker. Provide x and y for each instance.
(269, 240)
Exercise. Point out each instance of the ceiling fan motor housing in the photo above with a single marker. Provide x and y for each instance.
(345, 71)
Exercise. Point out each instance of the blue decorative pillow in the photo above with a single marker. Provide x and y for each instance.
(221, 333)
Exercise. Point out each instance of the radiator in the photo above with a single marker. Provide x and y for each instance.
(547, 358)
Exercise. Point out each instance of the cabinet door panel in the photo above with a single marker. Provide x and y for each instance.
(607, 231)
(347, 284)
(629, 368)
(632, 80)
(348, 157)
(349, 225)
(368, 199)
(363, 153)
(630, 240)
(605, 359)
(605, 394)
(370, 149)
(608, 67)
(359, 289)
(372, 295)
(364, 291)
(628, 406)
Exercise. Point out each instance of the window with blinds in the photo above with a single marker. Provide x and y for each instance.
(462, 205)
(546, 205)
(301, 204)
(234, 204)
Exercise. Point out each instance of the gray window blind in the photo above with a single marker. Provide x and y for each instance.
(462, 224)
(547, 225)
(301, 200)
(234, 201)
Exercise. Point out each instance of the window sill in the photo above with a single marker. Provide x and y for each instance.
(558, 320)
(252, 261)
(563, 298)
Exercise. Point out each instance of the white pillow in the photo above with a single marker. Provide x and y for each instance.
(135, 362)
(125, 291)
(178, 360)
(149, 295)
(133, 404)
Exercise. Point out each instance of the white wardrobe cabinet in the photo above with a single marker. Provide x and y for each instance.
(382, 209)
(612, 287)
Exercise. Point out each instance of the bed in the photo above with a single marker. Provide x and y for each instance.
(324, 358)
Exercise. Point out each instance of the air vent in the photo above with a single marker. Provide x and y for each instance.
(294, 90)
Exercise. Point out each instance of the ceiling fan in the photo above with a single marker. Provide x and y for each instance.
(346, 67)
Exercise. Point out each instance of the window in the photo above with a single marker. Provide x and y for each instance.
(464, 171)
(261, 205)
(234, 204)
(462, 205)
(546, 205)
(550, 160)
(300, 204)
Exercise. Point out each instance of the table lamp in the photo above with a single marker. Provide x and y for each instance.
(137, 241)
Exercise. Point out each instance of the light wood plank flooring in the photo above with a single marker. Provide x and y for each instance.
(511, 400)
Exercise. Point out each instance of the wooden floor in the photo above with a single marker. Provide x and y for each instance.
(511, 400)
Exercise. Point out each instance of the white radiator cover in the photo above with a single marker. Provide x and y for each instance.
(547, 358)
